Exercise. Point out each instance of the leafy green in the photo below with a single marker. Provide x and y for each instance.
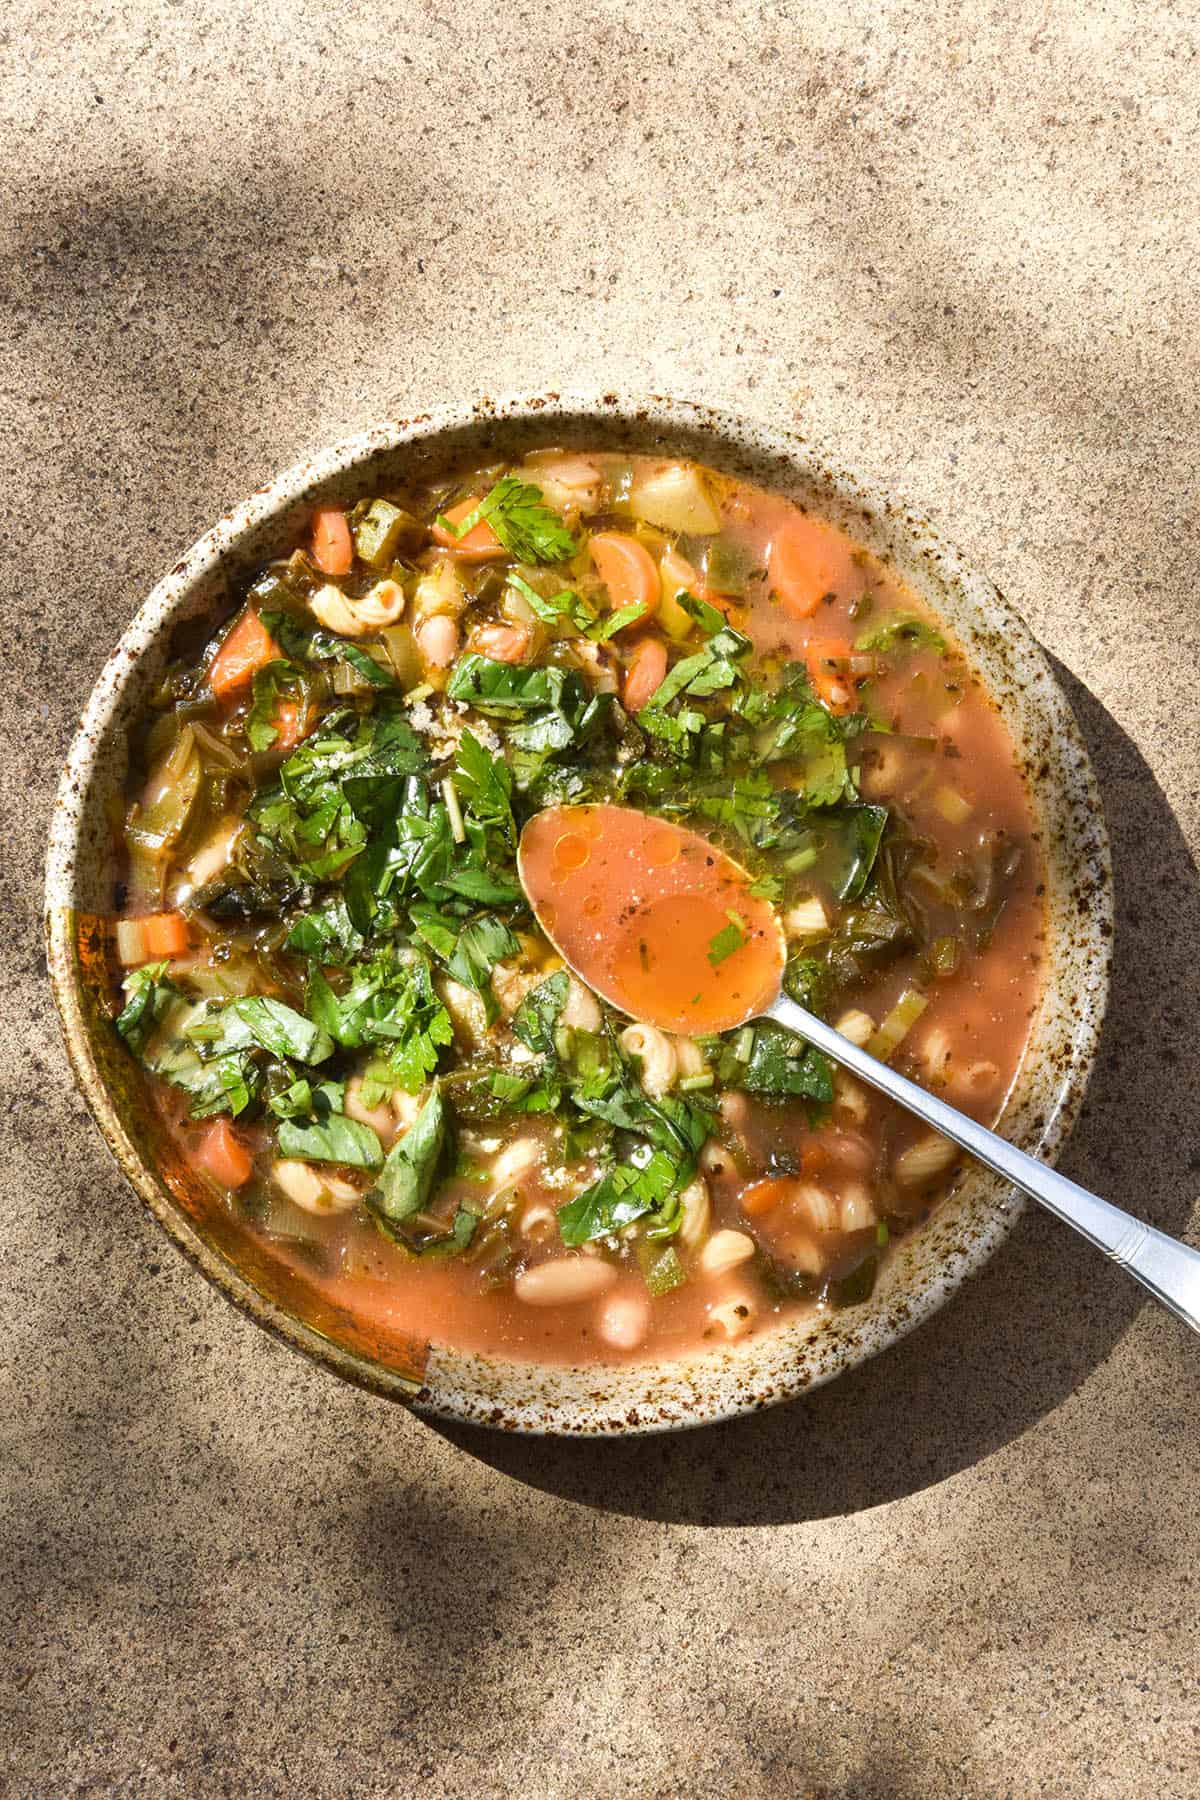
(149, 996)
(255, 1019)
(729, 939)
(485, 783)
(313, 644)
(228, 1083)
(331, 1138)
(608, 627)
(389, 1006)
(408, 1174)
(620, 1196)
(783, 1065)
(566, 604)
(901, 633)
(326, 933)
(536, 1018)
(528, 528)
(276, 683)
(509, 688)
(333, 789)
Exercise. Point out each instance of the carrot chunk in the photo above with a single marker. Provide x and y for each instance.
(808, 560)
(245, 650)
(292, 723)
(165, 934)
(480, 544)
(826, 660)
(644, 674)
(627, 570)
(332, 545)
(223, 1155)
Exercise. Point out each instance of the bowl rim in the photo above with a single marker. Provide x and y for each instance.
(451, 1388)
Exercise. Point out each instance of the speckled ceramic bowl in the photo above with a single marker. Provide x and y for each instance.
(927, 1266)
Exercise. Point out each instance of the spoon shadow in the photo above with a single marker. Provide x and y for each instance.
(1025, 1332)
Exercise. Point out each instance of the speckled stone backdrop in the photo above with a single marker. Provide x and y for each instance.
(958, 239)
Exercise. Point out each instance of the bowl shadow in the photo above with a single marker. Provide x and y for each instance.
(1025, 1332)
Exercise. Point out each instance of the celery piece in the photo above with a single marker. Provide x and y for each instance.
(378, 531)
(663, 1272)
(897, 1024)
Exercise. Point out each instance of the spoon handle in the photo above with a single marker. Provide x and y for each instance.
(1169, 1269)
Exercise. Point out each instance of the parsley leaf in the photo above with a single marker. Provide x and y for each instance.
(537, 1016)
(566, 604)
(528, 528)
(729, 939)
(782, 1065)
(149, 996)
(621, 1195)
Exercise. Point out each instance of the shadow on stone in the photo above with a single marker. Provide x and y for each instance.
(1028, 1330)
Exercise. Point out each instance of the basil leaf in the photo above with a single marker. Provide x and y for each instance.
(256, 1019)
(334, 1138)
(407, 1177)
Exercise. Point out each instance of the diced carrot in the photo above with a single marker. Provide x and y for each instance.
(292, 723)
(165, 934)
(223, 1155)
(765, 1196)
(627, 570)
(644, 673)
(480, 543)
(826, 660)
(332, 545)
(808, 560)
(245, 650)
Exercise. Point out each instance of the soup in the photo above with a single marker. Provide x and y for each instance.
(349, 1017)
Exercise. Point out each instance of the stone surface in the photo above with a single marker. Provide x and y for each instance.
(957, 240)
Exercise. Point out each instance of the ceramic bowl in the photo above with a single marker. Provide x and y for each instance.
(928, 1265)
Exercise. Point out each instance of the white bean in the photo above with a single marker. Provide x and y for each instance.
(439, 594)
(724, 1251)
(564, 1282)
(437, 641)
(624, 1319)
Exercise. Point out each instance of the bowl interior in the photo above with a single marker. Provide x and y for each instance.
(927, 1264)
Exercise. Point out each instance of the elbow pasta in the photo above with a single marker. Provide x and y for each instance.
(696, 1208)
(930, 1156)
(656, 1052)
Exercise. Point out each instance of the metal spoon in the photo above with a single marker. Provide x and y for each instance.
(631, 902)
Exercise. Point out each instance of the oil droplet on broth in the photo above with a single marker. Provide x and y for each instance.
(663, 847)
(571, 851)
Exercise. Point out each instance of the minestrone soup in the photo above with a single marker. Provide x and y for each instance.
(350, 1019)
